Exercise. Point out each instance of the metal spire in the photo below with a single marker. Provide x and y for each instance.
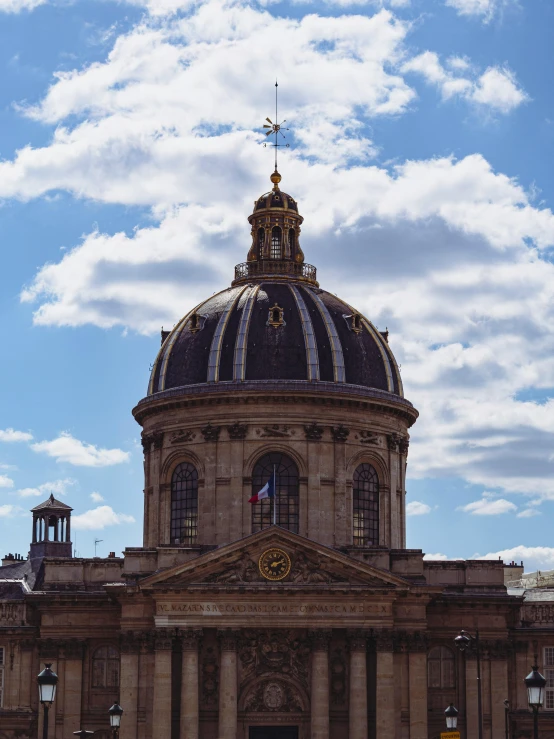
(276, 128)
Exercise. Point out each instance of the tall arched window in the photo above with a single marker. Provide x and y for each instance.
(292, 237)
(440, 668)
(366, 506)
(184, 505)
(261, 241)
(105, 668)
(276, 242)
(286, 497)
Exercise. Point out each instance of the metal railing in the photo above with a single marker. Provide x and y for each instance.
(273, 268)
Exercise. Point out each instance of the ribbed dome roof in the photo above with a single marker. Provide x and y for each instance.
(275, 330)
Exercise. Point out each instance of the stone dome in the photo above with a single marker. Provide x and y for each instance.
(274, 323)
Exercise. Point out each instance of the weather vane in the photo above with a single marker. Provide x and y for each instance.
(275, 128)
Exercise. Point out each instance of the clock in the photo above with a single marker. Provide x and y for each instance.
(274, 564)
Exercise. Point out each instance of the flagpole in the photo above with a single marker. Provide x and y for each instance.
(275, 497)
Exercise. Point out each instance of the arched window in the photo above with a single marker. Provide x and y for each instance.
(105, 668)
(184, 505)
(440, 668)
(286, 489)
(366, 506)
(276, 242)
(261, 241)
(292, 237)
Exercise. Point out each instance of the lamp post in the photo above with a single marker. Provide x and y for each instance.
(83, 733)
(451, 715)
(47, 681)
(507, 718)
(462, 642)
(115, 718)
(535, 684)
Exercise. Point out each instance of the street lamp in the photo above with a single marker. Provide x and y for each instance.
(451, 715)
(115, 718)
(83, 733)
(535, 684)
(47, 681)
(462, 642)
(507, 718)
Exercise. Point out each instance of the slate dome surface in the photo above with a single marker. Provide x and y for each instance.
(275, 330)
(274, 323)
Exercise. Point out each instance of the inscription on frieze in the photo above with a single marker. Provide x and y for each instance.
(222, 608)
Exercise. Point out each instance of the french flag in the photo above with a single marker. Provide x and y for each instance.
(268, 491)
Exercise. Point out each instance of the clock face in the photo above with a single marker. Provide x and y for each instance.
(274, 564)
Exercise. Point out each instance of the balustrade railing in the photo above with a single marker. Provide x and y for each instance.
(275, 267)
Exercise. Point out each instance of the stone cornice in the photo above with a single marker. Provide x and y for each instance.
(275, 391)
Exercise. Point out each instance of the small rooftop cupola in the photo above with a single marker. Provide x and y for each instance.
(51, 529)
(275, 250)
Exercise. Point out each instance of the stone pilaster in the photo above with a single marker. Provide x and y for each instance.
(73, 687)
(228, 689)
(320, 684)
(189, 684)
(417, 682)
(385, 713)
(357, 711)
(128, 683)
(163, 644)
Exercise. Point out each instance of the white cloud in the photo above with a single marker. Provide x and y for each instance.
(533, 558)
(495, 89)
(529, 513)
(416, 508)
(16, 6)
(7, 511)
(69, 450)
(486, 9)
(489, 506)
(56, 487)
(436, 557)
(6, 482)
(10, 435)
(99, 518)
(96, 497)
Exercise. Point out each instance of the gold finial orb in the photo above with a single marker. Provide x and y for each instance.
(276, 179)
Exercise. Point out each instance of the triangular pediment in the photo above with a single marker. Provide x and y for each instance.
(241, 564)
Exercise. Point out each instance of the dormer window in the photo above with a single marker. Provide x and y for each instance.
(275, 317)
(196, 322)
(354, 322)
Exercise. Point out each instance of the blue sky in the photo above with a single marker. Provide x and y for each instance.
(422, 138)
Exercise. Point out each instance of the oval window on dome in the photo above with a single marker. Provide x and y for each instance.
(286, 492)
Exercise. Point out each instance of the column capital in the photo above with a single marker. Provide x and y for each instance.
(72, 649)
(357, 640)
(228, 639)
(384, 641)
(190, 639)
(48, 649)
(163, 639)
(320, 639)
(129, 642)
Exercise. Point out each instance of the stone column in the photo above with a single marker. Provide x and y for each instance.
(128, 684)
(385, 687)
(228, 696)
(189, 684)
(417, 681)
(357, 713)
(162, 684)
(320, 684)
(73, 687)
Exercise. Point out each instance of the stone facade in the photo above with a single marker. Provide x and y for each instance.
(229, 625)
